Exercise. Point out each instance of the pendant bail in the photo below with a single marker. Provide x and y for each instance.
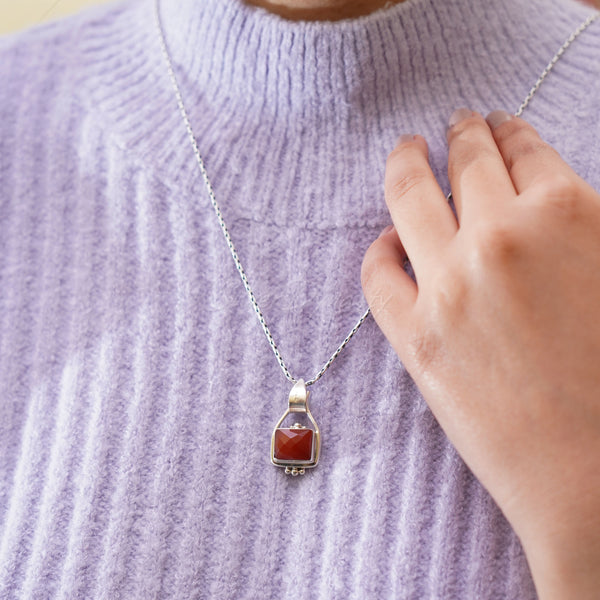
(296, 448)
(298, 400)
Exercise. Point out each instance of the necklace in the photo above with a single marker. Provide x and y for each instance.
(297, 448)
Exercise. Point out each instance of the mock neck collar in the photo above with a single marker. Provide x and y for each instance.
(226, 50)
(321, 89)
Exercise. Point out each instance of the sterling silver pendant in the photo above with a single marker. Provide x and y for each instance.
(296, 448)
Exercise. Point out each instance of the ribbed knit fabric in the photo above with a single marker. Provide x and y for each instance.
(138, 390)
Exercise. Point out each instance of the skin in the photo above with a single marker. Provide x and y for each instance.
(501, 330)
(322, 10)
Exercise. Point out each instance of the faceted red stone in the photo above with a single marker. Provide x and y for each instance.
(293, 444)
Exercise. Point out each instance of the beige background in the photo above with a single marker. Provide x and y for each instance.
(18, 14)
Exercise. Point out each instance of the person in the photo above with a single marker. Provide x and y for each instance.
(140, 393)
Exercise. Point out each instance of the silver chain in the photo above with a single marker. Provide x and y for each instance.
(217, 208)
(554, 60)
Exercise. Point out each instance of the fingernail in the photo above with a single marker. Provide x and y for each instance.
(497, 117)
(386, 230)
(459, 115)
(405, 137)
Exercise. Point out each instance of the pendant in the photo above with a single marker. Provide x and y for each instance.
(297, 447)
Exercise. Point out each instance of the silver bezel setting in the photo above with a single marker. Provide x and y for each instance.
(298, 403)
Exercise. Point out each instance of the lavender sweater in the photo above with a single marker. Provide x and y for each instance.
(138, 390)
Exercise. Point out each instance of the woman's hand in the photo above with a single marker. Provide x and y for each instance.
(501, 332)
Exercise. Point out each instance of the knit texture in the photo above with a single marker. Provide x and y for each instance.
(138, 390)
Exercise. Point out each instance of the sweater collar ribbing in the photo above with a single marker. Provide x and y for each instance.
(302, 95)
(227, 50)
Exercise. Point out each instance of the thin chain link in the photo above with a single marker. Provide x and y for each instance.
(225, 230)
(554, 60)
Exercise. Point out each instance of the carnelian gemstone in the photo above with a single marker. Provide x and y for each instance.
(293, 444)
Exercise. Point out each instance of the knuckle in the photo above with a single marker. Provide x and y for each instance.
(405, 171)
(405, 182)
(495, 244)
(527, 148)
(380, 302)
(558, 196)
(467, 156)
(447, 300)
(521, 141)
(439, 315)
(450, 295)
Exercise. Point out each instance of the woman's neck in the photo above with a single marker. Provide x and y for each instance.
(322, 10)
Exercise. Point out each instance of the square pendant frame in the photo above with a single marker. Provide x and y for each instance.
(298, 403)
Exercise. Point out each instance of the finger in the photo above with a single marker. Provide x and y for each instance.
(419, 210)
(389, 290)
(476, 170)
(527, 157)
